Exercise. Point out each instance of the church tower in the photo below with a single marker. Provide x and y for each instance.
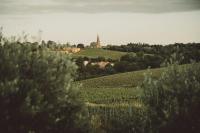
(98, 45)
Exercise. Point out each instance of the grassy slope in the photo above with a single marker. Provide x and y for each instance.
(128, 79)
(93, 53)
(115, 88)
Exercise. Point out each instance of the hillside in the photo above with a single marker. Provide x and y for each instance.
(94, 52)
(128, 79)
(117, 88)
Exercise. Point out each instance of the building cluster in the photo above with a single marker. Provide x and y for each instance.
(101, 64)
(73, 50)
(96, 44)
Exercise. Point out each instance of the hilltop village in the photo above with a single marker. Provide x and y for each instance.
(97, 60)
(79, 47)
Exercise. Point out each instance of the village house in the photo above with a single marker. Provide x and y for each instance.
(72, 50)
(102, 64)
(69, 50)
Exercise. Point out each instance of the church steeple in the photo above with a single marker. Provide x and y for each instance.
(98, 42)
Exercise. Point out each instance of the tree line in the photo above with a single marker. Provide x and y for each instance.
(139, 57)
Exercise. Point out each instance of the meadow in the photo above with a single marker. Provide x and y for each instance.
(115, 89)
(128, 79)
(95, 52)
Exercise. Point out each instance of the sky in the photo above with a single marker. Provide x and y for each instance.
(116, 21)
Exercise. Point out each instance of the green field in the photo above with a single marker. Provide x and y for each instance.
(113, 89)
(117, 88)
(116, 98)
(94, 53)
(128, 79)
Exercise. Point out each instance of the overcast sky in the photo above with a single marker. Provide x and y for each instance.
(116, 21)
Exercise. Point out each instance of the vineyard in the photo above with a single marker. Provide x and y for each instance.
(110, 95)
(115, 99)
(115, 90)
(123, 80)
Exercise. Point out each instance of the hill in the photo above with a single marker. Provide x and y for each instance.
(128, 79)
(94, 52)
(117, 88)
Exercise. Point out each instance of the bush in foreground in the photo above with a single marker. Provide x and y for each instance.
(36, 94)
(173, 101)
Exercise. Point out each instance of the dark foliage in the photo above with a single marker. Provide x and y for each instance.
(36, 94)
(173, 101)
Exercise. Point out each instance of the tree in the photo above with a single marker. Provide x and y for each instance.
(173, 101)
(140, 54)
(80, 45)
(121, 66)
(93, 44)
(36, 91)
(153, 61)
(109, 69)
(130, 57)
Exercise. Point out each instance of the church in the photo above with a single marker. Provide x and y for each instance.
(96, 44)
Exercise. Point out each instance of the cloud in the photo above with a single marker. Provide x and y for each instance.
(97, 6)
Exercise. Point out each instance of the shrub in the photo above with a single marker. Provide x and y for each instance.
(80, 45)
(36, 94)
(173, 101)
